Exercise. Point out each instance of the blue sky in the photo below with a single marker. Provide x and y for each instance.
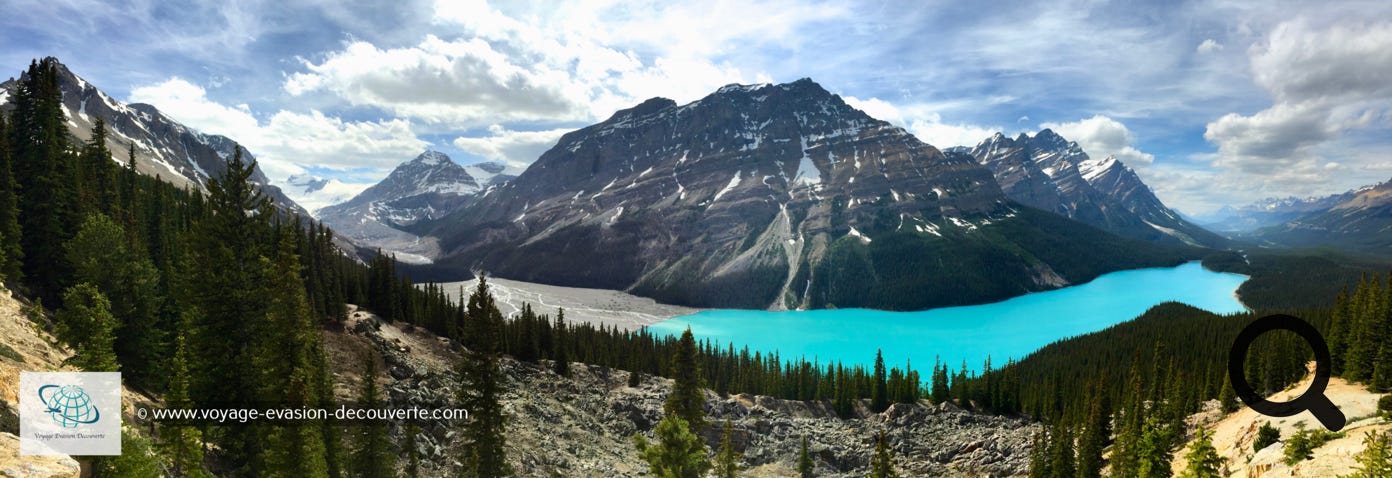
(1212, 103)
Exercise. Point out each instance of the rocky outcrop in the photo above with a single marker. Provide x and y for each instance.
(582, 426)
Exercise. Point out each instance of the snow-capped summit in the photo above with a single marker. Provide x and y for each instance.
(426, 187)
(314, 192)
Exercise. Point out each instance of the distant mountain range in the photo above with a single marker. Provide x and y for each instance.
(163, 146)
(1359, 220)
(772, 196)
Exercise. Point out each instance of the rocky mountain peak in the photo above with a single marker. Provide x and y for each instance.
(163, 146)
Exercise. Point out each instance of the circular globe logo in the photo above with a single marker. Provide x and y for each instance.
(68, 405)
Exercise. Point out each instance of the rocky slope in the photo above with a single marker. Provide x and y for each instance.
(163, 146)
(582, 426)
(763, 196)
(421, 189)
(1048, 172)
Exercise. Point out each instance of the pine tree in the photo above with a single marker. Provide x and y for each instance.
(226, 283)
(678, 453)
(481, 385)
(1267, 435)
(687, 399)
(136, 460)
(99, 256)
(85, 322)
(11, 255)
(45, 168)
(882, 463)
(727, 461)
(1153, 451)
(1096, 431)
(1227, 397)
(1375, 461)
(562, 365)
(1062, 462)
(1203, 458)
(372, 456)
(181, 443)
(940, 390)
(805, 466)
(286, 355)
(879, 394)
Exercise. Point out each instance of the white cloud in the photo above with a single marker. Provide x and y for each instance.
(289, 141)
(1326, 83)
(516, 147)
(923, 123)
(559, 62)
(1101, 136)
(934, 131)
(1209, 46)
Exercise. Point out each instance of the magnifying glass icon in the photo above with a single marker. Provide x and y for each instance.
(1313, 399)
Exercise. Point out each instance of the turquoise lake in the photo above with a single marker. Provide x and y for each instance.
(1006, 329)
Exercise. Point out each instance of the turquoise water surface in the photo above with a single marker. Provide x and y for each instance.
(1010, 328)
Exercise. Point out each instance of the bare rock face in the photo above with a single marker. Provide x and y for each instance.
(12, 465)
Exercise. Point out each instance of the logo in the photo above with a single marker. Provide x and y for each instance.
(70, 413)
(69, 405)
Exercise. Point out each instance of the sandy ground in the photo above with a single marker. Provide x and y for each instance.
(596, 306)
(1233, 435)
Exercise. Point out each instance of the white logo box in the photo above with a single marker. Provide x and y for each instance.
(70, 413)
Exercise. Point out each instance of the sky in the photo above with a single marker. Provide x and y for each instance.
(1212, 102)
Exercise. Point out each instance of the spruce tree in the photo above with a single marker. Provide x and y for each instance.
(99, 256)
(226, 283)
(137, 459)
(879, 393)
(45, 168)
(727, 461)
(372, 457)
(481, 385)
(687, 399)
(1096, 432)
(85, 322)
(678, 453)
(1267, 435)
(882, 462)
(11, 255)
(1227, 397)
(1203, 458)
(286, 356)
(182, 443)
(805, 466)
(562, 365)
(1375, 461)
(1062, 462)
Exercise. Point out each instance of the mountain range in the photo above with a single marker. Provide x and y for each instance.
(770, 196)
(1048, 172)
(162, 146)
